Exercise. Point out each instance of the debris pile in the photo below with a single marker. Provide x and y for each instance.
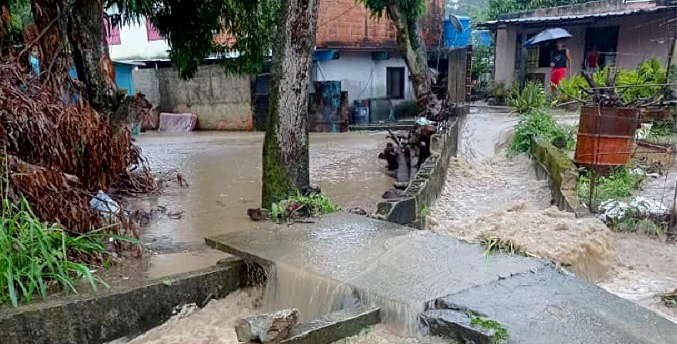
(60, 153)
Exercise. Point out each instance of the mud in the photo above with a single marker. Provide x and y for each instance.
(379, 334)
(645, 269)
(215, 323)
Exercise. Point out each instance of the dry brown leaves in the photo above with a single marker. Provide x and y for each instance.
(59, 154)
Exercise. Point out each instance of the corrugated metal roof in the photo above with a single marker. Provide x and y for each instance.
(553, 19)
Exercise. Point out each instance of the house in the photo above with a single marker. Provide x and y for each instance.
(360, 51)
(352, 47)
(625, 32)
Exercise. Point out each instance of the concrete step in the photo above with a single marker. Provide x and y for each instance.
(333, 326)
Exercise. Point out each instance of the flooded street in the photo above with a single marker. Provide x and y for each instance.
(223, 170)
(488, 193)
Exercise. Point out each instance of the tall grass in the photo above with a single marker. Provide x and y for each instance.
(38, 258)
(618, 184)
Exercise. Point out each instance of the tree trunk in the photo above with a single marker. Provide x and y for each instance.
(94, 67)
(285, 149)
(412, 47)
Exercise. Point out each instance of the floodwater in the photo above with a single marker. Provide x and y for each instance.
(223, 170)
(488, 193)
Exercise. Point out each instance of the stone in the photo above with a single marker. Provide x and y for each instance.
(267, 328)
(334, 326)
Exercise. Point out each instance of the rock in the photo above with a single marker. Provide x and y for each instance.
(392, 194)
(401, 185)
(358, 211)
(456, 325)
(267, 328)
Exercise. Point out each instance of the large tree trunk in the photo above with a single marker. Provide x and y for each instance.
(412, 47)
(285, 149)
(86, 32)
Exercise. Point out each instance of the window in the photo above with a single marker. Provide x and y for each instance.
(112, 31)
(395, 82)
(152, 32)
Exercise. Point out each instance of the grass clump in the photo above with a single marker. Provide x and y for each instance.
(300, 205)
(618, 184)
(497, 245)
(500, 333)
(40, 258)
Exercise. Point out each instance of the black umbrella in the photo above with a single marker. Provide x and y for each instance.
(548, 35)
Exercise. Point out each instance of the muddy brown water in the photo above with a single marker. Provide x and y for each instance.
(483, 182)
(223, 170)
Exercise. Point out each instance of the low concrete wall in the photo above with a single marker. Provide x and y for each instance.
(430, 179)
(117, 313)
(553, 164)
(221, 101)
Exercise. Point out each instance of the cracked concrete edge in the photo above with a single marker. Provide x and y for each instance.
(334, 326)
(117, 313)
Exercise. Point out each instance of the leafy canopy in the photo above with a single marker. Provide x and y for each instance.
(412, 9)
(190, 27)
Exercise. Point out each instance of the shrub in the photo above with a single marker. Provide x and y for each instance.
(38, 257)
(532, 97)
(572, 89)
(617, 185)
(536, 123)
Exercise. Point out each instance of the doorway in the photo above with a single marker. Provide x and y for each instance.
(605, 40)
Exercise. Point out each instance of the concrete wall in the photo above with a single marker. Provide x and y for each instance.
(361, 76)
(135, 45)
(221, 101)
(429, 181)
(506, 49)
(555, 165)
(116, 313)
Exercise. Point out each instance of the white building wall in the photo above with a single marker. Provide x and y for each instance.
(134, 45)
(361, 76)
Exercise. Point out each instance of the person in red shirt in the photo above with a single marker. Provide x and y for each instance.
(592, 58)
(560, 60)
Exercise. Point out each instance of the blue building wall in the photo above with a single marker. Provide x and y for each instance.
(123, 76)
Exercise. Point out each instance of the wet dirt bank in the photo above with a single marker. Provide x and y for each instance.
(483, 185)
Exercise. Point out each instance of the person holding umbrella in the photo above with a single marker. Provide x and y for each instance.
(560, 60)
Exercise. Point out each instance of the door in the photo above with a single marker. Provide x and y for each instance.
(605, 40)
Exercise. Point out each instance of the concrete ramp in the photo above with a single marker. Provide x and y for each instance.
(406, 273)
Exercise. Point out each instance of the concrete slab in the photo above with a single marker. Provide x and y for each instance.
(394, 267)
(401, 271)
(549, 307)
(333, 326)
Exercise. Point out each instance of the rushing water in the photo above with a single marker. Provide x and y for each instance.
(487, 192)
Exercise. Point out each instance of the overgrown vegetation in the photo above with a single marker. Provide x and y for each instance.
(500, 332)
(299, 206)
(37, 257)
(571, 89)
(534, 121)
(618, 184)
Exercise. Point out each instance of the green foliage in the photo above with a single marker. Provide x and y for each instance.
(482, 58)
(190, 27)
(302, 206)
(532, 97)
(572, 89)
(537, 123)
(425, 211)
(645, 81)
(20, 13)
(412, 9)
(617, 185)
(35, 256)
(500, 332)
(498, 7)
